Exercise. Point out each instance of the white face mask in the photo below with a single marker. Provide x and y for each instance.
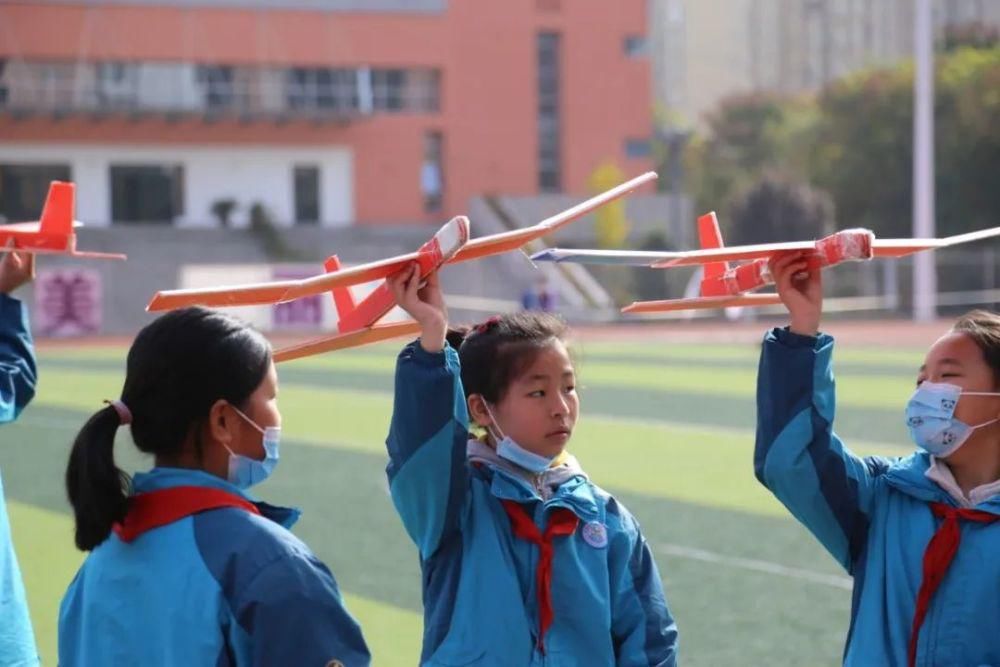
(513, 452)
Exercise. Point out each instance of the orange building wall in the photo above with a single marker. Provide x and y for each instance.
(486, 52)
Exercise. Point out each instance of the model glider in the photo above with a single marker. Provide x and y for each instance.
(53, 233)
(724, 285)
(358, 322)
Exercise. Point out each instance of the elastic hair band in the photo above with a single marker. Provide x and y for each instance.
(124, 414)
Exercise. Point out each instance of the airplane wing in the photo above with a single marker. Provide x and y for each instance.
(449, 239)
(880, 248)
(903, 247)
(70, 253)
(669, 259)
(618, 257)
(367, 336)
(700, 303)
(512, 240)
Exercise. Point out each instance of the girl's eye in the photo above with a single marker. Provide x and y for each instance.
(537, 394)
(570, 389)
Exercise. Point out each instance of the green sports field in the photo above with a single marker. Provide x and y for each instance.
(667, 428)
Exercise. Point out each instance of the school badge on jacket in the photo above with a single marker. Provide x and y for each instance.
(595, 534)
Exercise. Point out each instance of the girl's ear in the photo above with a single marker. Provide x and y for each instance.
(477, 410)
(220, 428)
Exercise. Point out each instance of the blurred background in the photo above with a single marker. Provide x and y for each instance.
(232, 141)
(264, 135)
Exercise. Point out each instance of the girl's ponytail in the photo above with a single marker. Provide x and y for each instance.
(97, 489)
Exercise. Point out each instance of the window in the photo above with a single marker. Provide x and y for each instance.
(306, 194)
(321, 89)
(3, 83)
(117, 84)
(413, 90)
(432, 172)
(549, 149)
(422, 86)
(635, 46)
(388, 88)
(147, 193)
(23, 188)
(217, 85)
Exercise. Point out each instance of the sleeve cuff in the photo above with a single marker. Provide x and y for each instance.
(415, 352)
(783, 336)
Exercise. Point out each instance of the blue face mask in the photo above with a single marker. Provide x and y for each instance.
(244, 471)
(515, 453)
(930, 418)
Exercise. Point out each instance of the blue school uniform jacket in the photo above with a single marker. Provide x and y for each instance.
(873, 515)
(483, 604)
(223, 586)
(18, 375)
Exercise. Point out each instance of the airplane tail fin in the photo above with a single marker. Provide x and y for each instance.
(57, 214)
(343, 300)
(710, 237)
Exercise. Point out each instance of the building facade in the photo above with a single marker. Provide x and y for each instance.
(329, 112)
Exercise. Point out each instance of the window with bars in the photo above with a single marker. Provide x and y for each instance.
(549, 83)
(432, 171)
(147, 193)
(193, 88)
(23, 188)
(306, 179)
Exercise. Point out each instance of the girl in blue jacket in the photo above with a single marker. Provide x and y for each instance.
(525, 561)
(186, 568)
(18, 376)
(919, 534)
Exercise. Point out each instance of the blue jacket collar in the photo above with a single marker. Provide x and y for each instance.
(165, 478)
(908, 475)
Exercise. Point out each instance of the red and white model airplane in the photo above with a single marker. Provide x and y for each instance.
(358, 322)
(53, 233)
(724, 285)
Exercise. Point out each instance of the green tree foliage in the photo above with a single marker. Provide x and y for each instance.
(854, 140)
(778, 209)
(610, 226)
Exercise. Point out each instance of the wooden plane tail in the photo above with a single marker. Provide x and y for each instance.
(343, 300)
(57, 214)
(710, 238)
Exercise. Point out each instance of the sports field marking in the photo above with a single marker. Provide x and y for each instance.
(755, 565)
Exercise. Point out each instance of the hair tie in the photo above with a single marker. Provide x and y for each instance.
(124, 414)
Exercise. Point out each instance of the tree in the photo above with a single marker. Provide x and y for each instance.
(778, 209)
(746, 134)
(222, 209)
(863, 150)
(610, 226)
(976, 35)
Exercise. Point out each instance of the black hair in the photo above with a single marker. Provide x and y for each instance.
(178, 367)
(493, 354)
(983, 327)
